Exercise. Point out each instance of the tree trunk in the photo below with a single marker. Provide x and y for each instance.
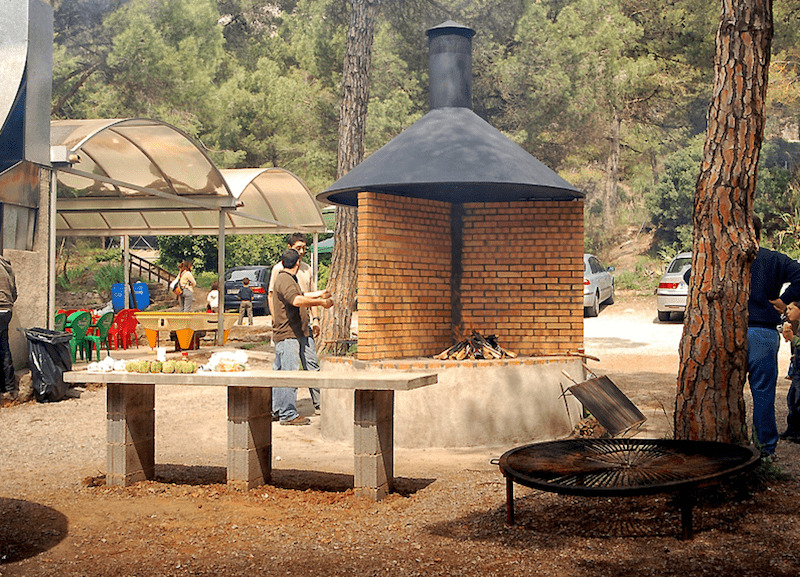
(612, 173)
(713, 349)
(352, 127)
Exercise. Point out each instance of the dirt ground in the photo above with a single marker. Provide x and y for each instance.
(446, 517)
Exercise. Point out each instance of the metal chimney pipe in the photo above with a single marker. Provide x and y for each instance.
(450, 55)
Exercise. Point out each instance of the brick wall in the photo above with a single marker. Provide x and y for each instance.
(522, 275)
(403, 276)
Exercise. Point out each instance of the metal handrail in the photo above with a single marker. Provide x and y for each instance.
(147, 268)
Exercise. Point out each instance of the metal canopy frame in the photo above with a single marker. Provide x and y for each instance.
(139, 176)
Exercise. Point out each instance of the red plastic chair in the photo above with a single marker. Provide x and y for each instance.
(123, 330)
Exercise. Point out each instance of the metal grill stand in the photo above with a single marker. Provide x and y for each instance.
(624, 467)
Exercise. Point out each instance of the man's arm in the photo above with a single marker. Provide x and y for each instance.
(307, 301)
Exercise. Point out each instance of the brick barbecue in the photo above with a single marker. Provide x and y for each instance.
(460, 229)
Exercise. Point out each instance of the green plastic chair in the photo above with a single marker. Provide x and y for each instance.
(61, 321)
(91, 340)
(78, 323)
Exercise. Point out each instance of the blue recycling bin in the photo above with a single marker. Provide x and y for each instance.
(118, 296)
(141, 293)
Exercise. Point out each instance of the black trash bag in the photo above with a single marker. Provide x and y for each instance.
(49, 357)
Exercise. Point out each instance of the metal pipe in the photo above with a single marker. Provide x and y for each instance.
(51, 253)
(221, 278)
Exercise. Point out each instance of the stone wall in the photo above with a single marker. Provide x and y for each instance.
(30, 270)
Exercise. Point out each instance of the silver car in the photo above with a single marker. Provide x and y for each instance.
(672, 291)
(598, 285)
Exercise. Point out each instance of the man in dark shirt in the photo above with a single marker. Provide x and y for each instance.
(769, 272)
(290, 333)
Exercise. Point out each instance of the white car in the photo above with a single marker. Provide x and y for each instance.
(598, 285)
(672, 291)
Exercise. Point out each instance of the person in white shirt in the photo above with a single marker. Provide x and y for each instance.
(212, 300)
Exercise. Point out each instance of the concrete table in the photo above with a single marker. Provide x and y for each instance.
(130, 417)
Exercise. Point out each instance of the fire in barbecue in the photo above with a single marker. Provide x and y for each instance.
(476, 347)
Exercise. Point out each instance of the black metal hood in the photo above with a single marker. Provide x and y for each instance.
(451, 154)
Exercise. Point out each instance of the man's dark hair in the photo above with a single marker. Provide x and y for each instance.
(296, 236)
(757, 226)
(289, 258)
(245, 281)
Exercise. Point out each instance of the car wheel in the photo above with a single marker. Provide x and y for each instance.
(663, 316)
(610, 299)
(594, 309)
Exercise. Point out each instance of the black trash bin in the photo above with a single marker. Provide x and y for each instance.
(49, 357)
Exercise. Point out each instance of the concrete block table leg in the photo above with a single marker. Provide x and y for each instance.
(249, 436)
(373, 443)
(130, 433)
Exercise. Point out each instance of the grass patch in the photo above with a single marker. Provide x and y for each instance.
(250, 346)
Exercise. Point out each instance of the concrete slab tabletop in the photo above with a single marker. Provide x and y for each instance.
(367, 380)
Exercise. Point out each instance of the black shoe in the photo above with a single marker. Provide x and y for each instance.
(788, 434)
(792, 439)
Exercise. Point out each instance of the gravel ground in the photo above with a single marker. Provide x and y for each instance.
(57, 517)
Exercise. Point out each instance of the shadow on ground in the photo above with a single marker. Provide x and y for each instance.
(292, 479)
(27, 529)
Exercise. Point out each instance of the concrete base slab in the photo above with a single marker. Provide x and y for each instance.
(471, 406)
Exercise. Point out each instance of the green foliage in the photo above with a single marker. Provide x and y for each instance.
(107, 275)
(96, 277)
(205, 278)
(201, 251)
(66, 281)
(324, 273)
(639, 280)
(776, 199)
(263, 249)
(259, 84)
(108, 255)
(671, 201)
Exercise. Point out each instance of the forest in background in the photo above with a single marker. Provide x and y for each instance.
(612, 94)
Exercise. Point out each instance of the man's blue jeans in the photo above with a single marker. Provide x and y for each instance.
(762, 367)
(308, 357)
(284, 399)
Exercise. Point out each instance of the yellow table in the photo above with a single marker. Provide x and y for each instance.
(184, 325)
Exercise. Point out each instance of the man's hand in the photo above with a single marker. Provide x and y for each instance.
(327, 303)
(779, 305)
(315, 328)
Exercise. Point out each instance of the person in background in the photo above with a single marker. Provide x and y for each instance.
(305, 278)
(187, 283)
(8, 296)
(245, 302)
(768, 273)
(790, 333)
(290, 330)
(212, 300)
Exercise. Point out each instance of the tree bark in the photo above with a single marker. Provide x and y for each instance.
(352, 127)
(713, 350)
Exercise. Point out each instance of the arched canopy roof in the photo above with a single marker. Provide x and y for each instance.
(141, 176)
(272, 200)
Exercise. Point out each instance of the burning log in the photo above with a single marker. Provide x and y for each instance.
(475, 347)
